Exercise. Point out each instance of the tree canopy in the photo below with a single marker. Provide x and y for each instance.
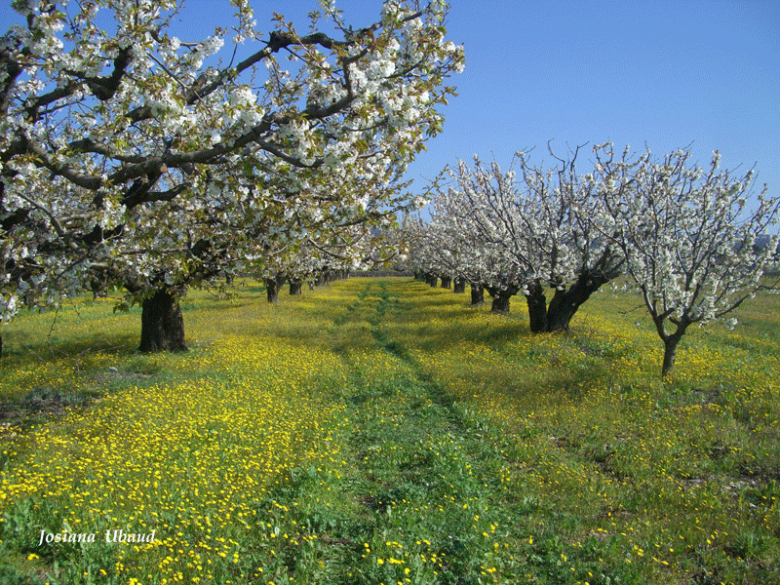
(130, 153)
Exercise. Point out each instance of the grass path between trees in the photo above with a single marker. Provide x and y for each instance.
(426, 502)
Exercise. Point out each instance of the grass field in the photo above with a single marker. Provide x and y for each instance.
(381, 431)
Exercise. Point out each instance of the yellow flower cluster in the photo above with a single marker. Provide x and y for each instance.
(192, 459)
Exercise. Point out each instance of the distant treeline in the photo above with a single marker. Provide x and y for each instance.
(378, 273)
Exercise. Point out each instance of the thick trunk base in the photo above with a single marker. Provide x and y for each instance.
(537, 309)
(500, 303)
(295, 287)
(272, 290)
(459, 286)
(477, 294)
(162, 324)
(446, 282)
(501, 298)
(558, 314)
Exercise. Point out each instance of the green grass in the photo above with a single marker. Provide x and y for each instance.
(381, 431)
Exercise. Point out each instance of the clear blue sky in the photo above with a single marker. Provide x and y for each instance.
(666, 73)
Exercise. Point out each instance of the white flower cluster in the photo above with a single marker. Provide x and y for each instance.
(125, 151)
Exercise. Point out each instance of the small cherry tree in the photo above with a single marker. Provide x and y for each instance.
(131, 155)
(689, 235)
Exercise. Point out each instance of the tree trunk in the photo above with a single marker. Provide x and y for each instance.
(295, 286)
(537, 308)
(272, 287)
(477, 294)
(446, 282)
(563, 306)
(671, 340)
(98, 287)
(322, 278)
(670, 354)
(162, 324)
(433, 280)
(500, 302)
(1, 346)
(501, 298)
(459, 286)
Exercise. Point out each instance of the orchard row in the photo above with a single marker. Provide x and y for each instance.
(691, 240)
